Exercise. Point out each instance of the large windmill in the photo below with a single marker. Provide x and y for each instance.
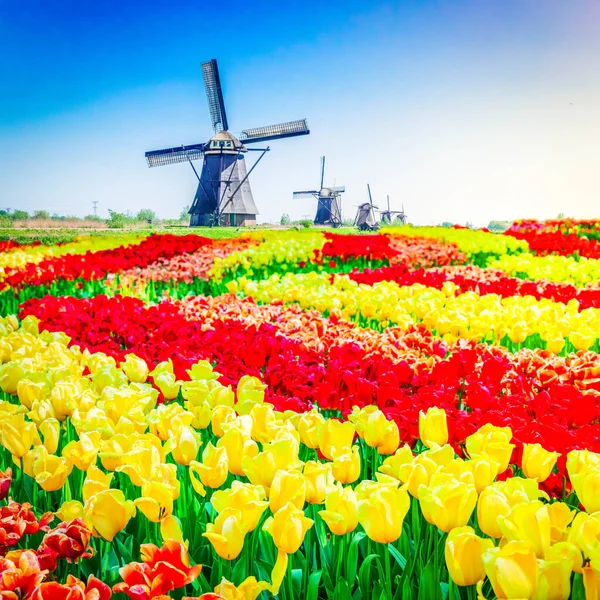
(223, 196)
(329, 201)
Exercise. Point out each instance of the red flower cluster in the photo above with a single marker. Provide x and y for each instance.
(553, 225)
(10, 245)
(69, 540)
(542, 397)
(162, 570)
(558, 243)
(5, 481)
(17, 520)
(482, 281)
(96, 265)
(73, 589)
(353, 247)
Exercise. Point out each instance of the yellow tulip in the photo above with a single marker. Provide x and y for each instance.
(433, 428)
(512, 570)
(108, 512)
(238, 446)
(167, 383)
(484, 472)
(391, 465)
(577, 460)
(135, 368)
(463, 553)
(105, 376)
(380, 432)
(346, 465)
(591, 583)
(382, 514)
(213, 469)
(585, 532)
(587, 486)
(250, 391)
(221, 415)
(95, 481)
(308, 426)
(341, 510)
(10, 375)
(19, 435)
(560, 518)
(72, 509)
(418, 473)
(492, 442)
(334, 436)
(156, 501)
(227, 533)
(243, 496)
(50, 429)
(492, 505)
(186, 446)
(264, 423)
(29, 391)
(249, 589)
(170, 529)
(288, 527)
(287, 487)
(448, 505)
(51, 471)
(538, 463)
(554, 580)
(318, 477)
(529, 523)
(166, 366)
(83, 453)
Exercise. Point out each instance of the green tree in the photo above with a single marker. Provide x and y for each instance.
(184, 213)
(20, 215)
(41, 214)
(146, 215)
(447, 224)
(285, 219)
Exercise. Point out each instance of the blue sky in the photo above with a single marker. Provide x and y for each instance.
(463, 110)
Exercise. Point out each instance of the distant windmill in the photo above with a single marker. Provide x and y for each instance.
(393, 215)
(329, 201)
(365, 218)
(223, 196)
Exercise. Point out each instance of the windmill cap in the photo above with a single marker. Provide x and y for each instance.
(224, 141)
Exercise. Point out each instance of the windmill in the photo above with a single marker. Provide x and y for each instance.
(365, 218)
(392, 215)
(329, 201)
(223, 196)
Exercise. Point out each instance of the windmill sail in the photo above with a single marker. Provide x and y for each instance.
(274, 132)
(170, 156)
(214, 95)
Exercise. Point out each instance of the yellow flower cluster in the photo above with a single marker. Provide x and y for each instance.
(468, 241)
(277, 247)
(581, 272)
(446, 312)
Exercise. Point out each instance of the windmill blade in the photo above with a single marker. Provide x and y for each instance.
(339, 189)
(322, 170)
(170, 156)
(274, 132)
(305, 194)
(214, 95)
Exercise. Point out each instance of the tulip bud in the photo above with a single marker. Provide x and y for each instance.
(341, 510)
(50, 429)
(448, 506)
(108, 512)
(250, 391)
(512, 570)
(538, 463)
(308, 427)
(346, 465)
(168, 385)
(288, 527)
(334, 435)
(433, 428)
(491, 442)
(135, 368)
(213, 469)
(463, 554)
(239, 447)
(287, 487)
(317, 476)
(560, 518)
(227, 533)
(187, 444)
(586, 484)
(382, 514)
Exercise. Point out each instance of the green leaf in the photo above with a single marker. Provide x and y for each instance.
(397, 556)
(342, 591)
(239, 571)
(297, 581)
(428, 583)
(352, 558)
(312, 593)
(364, 575)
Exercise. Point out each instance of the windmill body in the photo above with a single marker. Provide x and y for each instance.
(329, 201)
(223, 196)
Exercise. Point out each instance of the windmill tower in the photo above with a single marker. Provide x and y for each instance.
(224, 196)
(329, 201)
(388, 215)
(365, 218)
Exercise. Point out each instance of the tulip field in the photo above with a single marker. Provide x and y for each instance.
(306, 415)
